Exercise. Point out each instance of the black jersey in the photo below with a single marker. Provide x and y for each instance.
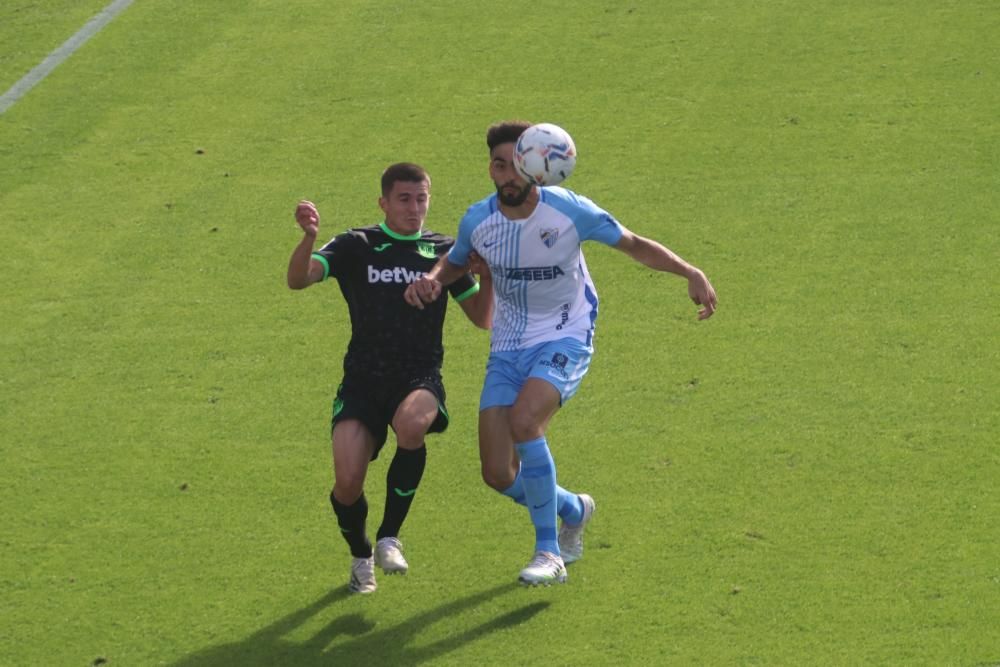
(373, 266)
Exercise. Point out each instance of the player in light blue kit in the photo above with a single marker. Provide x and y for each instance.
(543, 333)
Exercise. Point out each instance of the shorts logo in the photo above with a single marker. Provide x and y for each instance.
(557, 365)
(549, 237)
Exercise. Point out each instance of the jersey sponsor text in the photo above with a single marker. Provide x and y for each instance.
(534, 273)
(399, 274)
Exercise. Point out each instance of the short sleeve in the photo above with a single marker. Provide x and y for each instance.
(592, 222)
(602, 228)
(337, 255)
(459, 253)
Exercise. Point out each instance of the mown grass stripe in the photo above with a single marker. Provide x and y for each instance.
(56, 58)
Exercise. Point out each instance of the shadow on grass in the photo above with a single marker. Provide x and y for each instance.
(389, 646)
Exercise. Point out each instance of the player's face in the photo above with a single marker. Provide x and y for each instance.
(405, 206)
(511, 188)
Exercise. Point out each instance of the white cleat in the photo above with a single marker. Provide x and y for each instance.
(362, 575)
(389, 556)
(571, 537)
(544, 569)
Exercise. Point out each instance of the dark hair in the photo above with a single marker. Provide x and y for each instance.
(505, 132)
(403, 171)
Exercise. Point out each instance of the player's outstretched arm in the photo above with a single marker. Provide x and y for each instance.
(303, 271)
(427, 288)
(479, 307)
(657, 256)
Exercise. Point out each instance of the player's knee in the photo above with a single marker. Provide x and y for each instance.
(498, 477)
(524, 426)
(348, 487)
(410, 430)
(495, 481)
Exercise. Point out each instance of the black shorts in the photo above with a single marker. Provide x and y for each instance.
(373, 402)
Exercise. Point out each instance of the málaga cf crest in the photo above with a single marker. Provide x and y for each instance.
(549, 237)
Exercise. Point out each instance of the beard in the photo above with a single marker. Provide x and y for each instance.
(515, 199)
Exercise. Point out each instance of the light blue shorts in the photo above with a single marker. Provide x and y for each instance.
(562, 363)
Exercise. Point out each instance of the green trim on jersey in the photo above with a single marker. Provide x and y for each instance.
(399, 237)
(326, 265)
(467, 293)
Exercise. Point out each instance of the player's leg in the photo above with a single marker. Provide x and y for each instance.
(497, 457)
(521, 472)
(504, 378)
(353, 447)
(352, 450)
(563, 364)
(501, 467)
(535, 405)
(557, 368)
(537, 402)
(500, 463)
(414, 417)
(358, 434)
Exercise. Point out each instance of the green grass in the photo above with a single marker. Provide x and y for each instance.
(809, 477)
(30, 31)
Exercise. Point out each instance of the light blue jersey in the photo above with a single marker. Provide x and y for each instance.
(542, 289)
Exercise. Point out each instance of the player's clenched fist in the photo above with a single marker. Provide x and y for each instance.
(307, 216)
(422, 290)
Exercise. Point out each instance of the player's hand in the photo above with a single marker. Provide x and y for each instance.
(307, 216)
(422, 291)
(703, 294)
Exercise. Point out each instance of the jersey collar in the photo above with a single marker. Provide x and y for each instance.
(397, 236)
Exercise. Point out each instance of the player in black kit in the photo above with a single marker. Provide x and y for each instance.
(392, 369)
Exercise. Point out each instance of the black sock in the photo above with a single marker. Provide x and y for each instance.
(401, 483)
(351, 519)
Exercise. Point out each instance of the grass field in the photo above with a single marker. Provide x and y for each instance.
(810, 477)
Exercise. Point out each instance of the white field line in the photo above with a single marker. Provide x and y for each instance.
(53, 60)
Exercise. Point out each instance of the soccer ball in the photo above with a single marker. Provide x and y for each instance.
(545, 154)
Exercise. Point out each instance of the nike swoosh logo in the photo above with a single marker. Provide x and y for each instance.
(404, 494)
(489, 245)
(538, 507)
(380, 248)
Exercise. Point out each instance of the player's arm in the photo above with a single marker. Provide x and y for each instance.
(479, 306)
(427, 288)
(303, 270)
(660, 258)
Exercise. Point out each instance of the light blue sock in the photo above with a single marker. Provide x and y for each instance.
(516, 490)
(538, 479)
(570, 507)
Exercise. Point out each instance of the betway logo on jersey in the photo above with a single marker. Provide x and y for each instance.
(399, 274)
(534, 273)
